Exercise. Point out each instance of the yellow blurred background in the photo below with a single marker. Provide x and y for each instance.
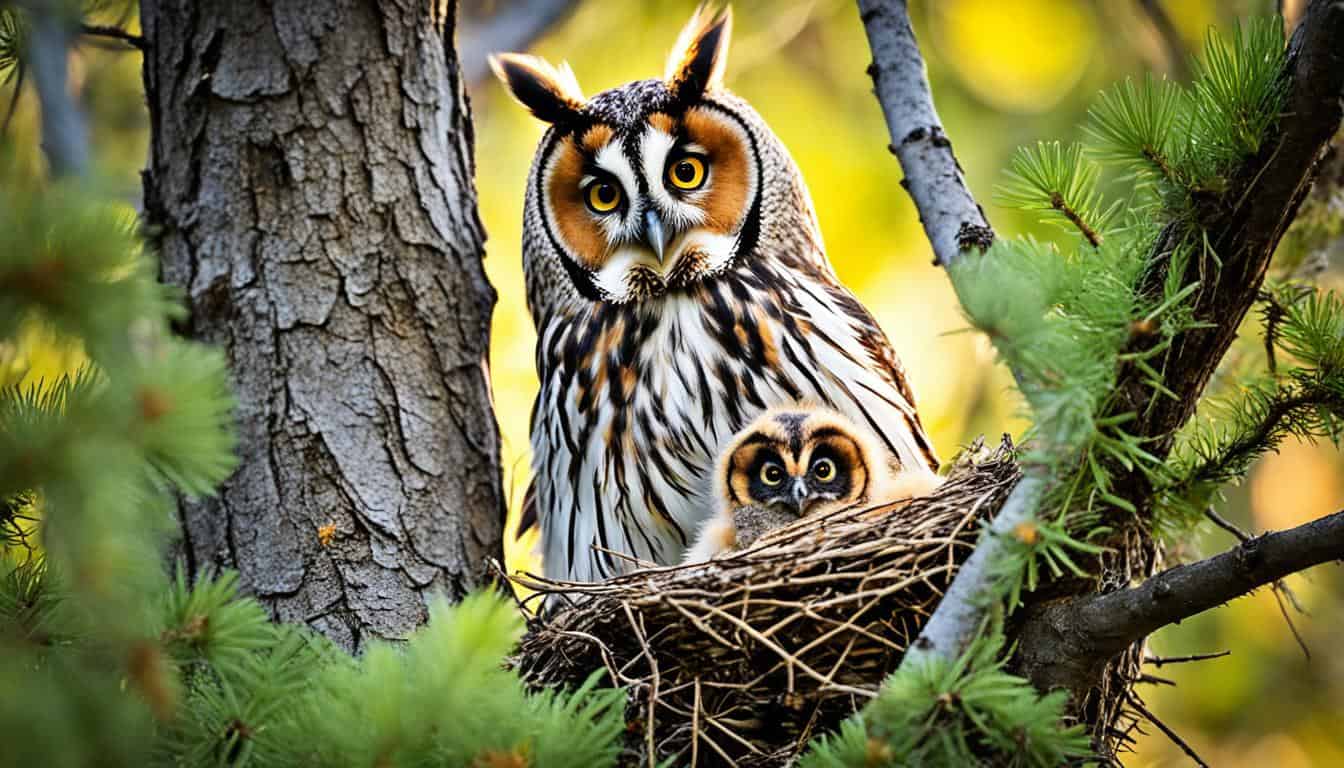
(1005, 72)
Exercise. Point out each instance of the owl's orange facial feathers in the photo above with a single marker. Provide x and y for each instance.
(647, 187)
(800, 458)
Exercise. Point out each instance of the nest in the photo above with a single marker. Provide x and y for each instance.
(743, 660)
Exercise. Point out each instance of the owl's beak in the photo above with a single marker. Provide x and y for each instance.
(797, 494)
(654, 234)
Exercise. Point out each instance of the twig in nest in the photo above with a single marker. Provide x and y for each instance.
(1167, 731)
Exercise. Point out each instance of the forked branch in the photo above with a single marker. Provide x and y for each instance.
(1063, 643)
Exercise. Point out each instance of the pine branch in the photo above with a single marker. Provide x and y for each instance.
(1288, 407)
(1242, 233)
(1062, 643)
(952, 220)
(1243, 227)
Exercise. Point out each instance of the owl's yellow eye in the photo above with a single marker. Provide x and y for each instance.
(603, 196)
(772, 474)
(686, 173)
(823, 470)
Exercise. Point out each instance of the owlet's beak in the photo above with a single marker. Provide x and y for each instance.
(655, 234)
(797, 494)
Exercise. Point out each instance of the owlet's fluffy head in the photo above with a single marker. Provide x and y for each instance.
(800, 459)
(646, 188)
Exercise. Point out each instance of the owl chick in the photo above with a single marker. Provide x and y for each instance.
(794, 461)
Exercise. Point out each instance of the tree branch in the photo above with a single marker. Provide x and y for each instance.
(952, 220)
(1177, 59)
(1244, 227)
(513, 27)
(954, 223)
(1063, 644)
(64, 135)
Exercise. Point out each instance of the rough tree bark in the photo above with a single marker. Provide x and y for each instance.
(310, 188)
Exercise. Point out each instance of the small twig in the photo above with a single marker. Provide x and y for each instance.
(1058, 202)
(19, 73)
(1227, 525)
(1155, 680)
(114, 33)
(1280, 587)
(1158, 661)
(1171, 37)
(1167, 731)
(695, 726)
(1283, 609)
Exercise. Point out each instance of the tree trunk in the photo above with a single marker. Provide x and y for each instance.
(310, 188)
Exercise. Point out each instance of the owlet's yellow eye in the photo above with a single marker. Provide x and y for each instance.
(686, 173)
(772, 474)
(603, 196)
(823, 470)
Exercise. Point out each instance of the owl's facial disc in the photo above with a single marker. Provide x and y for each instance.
(655, 207)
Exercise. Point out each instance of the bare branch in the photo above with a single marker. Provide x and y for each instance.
(1158, 661)
(954, 223)
(113, 33)
(1177, 59)
(1063, 643)
(1167, 731)
(64, 135)
(514, 27)
(952, 220)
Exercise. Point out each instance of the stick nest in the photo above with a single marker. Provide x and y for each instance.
(742, 660)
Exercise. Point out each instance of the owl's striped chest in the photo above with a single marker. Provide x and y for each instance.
(637, 401)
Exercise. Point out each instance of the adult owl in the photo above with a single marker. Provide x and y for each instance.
(677, 279)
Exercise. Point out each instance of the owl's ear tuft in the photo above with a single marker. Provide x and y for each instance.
(551, 93)
(698, 59)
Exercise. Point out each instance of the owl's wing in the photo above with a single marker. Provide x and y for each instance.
(528, 520)
(874, 341)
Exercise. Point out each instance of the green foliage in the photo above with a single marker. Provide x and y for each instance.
(1180, 143)
(1237, 92)
(967, 712)
(1054, 178)
(444, 699)
(1137, 126)
(1301, 396)
(1067, 317)
(12, 35)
